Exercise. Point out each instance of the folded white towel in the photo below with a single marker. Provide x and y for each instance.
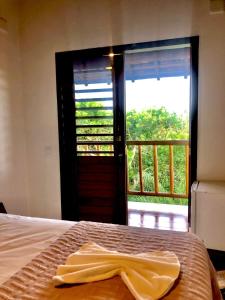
(147, 275)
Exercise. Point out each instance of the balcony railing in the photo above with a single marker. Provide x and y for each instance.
(94, 148)
(153, 152)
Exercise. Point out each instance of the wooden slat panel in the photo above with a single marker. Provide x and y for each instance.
(95, 117)
(95, 152)
(93, 91)
(171, 169)
(171, 144)
(94, 134)
(156, 180)
(93, 210)
(159, 194)
(96, 217)
(94, 99)
(168, 142)
(187, 168)
(94, 143)
(94, 108)
(140, 167)
(95, 202)
(96, 188)
(94, 126)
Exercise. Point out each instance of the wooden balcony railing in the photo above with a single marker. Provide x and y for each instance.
(156, 192)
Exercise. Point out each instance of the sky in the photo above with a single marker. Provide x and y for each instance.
(173, 93)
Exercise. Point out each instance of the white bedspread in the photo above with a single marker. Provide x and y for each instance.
(22, 238)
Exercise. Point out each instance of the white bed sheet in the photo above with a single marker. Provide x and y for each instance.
(22, 238)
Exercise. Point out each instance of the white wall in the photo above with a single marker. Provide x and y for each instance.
(49, 26)
(13, 168)
(211, 144)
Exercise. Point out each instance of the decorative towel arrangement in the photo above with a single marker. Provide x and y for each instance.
(147, 275)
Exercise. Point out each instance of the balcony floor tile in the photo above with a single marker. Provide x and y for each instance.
(159, 216)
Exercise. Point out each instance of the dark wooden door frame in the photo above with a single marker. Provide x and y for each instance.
(66, 124)
(193, 118)
(120, 136)
(67, 137)
(64, 78)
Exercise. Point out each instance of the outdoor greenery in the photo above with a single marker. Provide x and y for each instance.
(154, 199)
(156, 124)
(147, 125)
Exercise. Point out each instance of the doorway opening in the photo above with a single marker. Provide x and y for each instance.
(97, 151)
(157, 85)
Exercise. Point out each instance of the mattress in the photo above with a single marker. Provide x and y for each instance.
(34, 281)
(22, 238)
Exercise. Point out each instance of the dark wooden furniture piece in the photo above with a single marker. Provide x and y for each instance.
(2, 208)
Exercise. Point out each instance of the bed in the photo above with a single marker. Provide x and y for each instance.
(32, 248)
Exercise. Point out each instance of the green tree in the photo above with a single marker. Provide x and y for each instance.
(156, 124)
(151, 124)
(87, 126)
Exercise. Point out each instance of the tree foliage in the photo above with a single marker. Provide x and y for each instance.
(147, 125)
(156, 124)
